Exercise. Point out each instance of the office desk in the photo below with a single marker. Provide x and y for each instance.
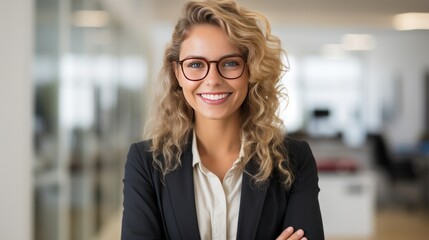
(347, 203)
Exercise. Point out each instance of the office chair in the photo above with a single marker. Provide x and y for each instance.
(401, 173)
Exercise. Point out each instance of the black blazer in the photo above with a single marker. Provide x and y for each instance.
(153, 210)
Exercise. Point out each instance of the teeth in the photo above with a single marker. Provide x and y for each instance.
(214, 97)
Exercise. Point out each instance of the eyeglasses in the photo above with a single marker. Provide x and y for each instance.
(197, 68)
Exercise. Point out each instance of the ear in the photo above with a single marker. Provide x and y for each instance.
(176, 69)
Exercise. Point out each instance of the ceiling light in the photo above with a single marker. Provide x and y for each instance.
(358, 42)
(333, 51)
(86, 18)
(411, 21)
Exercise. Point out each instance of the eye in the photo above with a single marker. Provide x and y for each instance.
(234, 62)
(192, 63)
(231, 63)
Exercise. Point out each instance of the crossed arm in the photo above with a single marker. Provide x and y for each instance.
(302, 220)
(288, 234)
(303, 217)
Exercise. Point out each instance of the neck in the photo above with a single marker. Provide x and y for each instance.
(218, 143)
(218, 136)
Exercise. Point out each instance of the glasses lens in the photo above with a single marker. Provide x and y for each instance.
(231, 67)
(194, 68)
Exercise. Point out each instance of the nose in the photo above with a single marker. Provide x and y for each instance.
(213, 76)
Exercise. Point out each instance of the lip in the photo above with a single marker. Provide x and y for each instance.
(214, 98)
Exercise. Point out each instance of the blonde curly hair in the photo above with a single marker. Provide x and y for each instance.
(262, 130)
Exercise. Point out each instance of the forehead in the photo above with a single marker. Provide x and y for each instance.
(207, 41)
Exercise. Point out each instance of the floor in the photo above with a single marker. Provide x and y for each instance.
(390, 224)
(398, 224)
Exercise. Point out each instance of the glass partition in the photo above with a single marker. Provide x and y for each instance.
(89, 74)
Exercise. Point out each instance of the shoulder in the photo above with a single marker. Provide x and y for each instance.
(296, 148)
(140, 155)
(301, 159)
(142, 146)
(140, 149)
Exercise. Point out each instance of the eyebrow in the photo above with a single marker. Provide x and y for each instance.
(224, 56)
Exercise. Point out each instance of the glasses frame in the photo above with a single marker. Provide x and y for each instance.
(180, 62)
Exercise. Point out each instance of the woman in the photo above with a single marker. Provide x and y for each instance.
(217, 165)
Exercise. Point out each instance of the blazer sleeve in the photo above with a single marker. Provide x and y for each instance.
(303, 210)
(141, 217)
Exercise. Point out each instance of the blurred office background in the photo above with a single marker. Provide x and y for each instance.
(77, 78)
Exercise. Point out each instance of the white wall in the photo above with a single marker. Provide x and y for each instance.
(402, 57)
(399, 57)
(15, 120)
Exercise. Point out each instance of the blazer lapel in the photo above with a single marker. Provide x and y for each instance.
(251, 204)
(180, 185)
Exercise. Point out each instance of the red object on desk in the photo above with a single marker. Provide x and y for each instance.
(337, 165)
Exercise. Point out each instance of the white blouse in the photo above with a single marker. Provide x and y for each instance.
(217, 203)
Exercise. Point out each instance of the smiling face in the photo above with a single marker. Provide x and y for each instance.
(214, 97)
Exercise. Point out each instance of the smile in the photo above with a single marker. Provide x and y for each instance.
(214, 97)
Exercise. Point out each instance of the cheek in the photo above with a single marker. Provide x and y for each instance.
(188, 89)
(188, 97)
(244, 87)
(243, 92)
